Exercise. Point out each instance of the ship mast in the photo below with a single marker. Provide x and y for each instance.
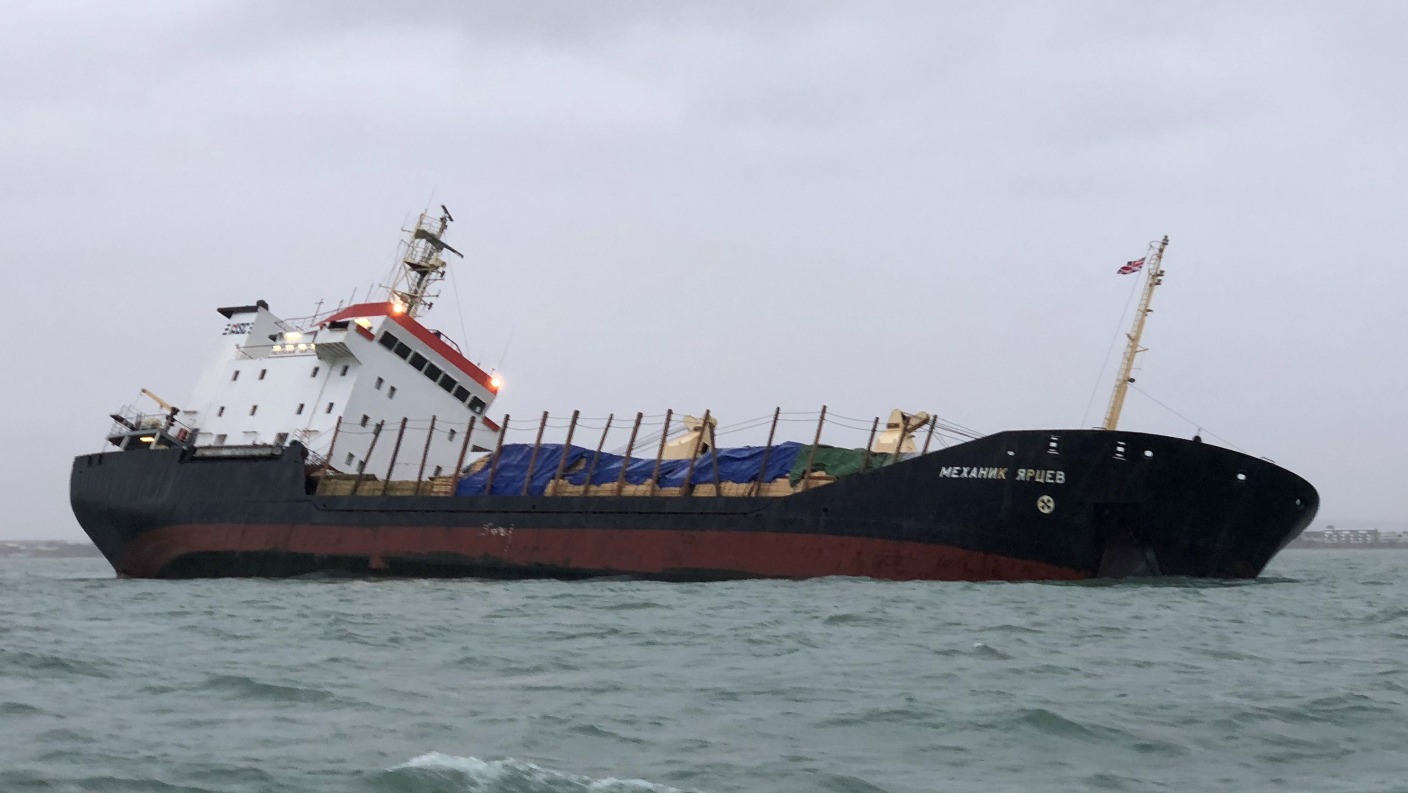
(1154, 275)
(422, 265)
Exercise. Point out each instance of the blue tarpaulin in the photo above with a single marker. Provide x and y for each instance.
(740, 465)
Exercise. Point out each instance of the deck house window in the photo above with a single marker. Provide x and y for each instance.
(220, 412)
(253, 409)
(263, 372)
(315, 371)
(345, 367)
(299, 411)
(235, 376)
(329, 408)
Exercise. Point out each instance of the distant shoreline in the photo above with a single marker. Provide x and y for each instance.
(48, 549)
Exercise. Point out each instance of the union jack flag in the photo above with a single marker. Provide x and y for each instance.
(1132, 267)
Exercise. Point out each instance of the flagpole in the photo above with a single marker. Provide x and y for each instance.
(1154, 275)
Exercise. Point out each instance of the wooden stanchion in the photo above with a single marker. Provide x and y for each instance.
(376, 433)
(425, 455)
(395, 450)
(660, 450)
(464, 450)
(591, 469)
(767, 452)
(811, 458)
(533, 458)
(567, 444)
(933, 422)
(630, 447)
(865, 461)
(688, 488)
(332, 444)
(494, 462)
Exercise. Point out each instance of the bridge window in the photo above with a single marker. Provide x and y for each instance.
(432, 371)
(417, 360)
(448, 383)
(402, 350)
(477, 405)
(461, 393)
(388, 341)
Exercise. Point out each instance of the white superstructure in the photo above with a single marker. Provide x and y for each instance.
(330, 382)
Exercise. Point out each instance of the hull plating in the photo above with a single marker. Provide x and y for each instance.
(1011, 506)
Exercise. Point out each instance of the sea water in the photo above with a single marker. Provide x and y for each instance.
(1296, 681)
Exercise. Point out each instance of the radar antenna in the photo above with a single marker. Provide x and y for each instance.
(422, 264)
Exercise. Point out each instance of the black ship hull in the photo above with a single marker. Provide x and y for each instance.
(1031, 505)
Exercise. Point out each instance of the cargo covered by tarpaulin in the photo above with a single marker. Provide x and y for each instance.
(738, 465)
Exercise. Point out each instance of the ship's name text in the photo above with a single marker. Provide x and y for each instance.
(1042, 475)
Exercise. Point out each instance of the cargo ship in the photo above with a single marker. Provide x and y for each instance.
(358, 441)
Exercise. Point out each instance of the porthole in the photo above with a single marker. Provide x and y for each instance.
(1241, 477)
(1148, 452)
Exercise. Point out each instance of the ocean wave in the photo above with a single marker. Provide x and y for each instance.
(22, 663)
(443, 773)
(241, 687)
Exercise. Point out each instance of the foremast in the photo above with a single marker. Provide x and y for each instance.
(422, 265)
(1153, 274)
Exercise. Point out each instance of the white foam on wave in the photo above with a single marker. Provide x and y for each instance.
(516, 775)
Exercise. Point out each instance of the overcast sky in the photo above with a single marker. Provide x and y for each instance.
(729, 206)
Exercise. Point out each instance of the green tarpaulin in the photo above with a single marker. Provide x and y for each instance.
(835, 462)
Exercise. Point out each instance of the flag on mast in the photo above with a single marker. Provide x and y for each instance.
(1132, 267)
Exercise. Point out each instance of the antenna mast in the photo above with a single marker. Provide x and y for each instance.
(1154, 275)
(422, 265)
